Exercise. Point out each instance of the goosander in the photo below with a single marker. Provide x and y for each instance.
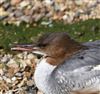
(66, 66)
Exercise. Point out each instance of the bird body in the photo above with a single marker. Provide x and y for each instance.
(67, 67)
(80, 73)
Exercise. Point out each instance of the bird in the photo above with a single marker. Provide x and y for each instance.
(66, 66)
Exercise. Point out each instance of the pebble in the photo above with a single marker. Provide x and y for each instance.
(2, 1)
(6, 5)
(1, 72)
(24, 3)
(18, 13)
(46, 23)
(22, 82)
(3, 12)
(14, 2)
(18, 74)
(25, 18)
(8, 80)
(30, 56)
(9, 92)
(5, 58)
(20, 56)
(78, 2)
(13, 78)
(13, 63)
(22, 63)
(3, 17)
(30, 82)
(1, 78)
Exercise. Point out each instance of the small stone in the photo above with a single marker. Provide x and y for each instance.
(12, 63)
(28, 12)
(50, 25)
(4, 78)
(2, 1)
(20, 56)
(28, 61)
(37, 17)
(25, 18)
(6, 5)
(30, 83)
(11, 10)
(25, 55)
(13, 78)
(49, 2)
(90, 40)
(1, 78)
(14, 2)
(1, 72)
(3, 86)
(22, 63)
(18, 13)
(11, 71)
(8, 80)
(18, 74)
(30, 56)
(6, 58)
(24, 4)
(17, 23)
(46, 23)
(15, 83)
(9, 92)
(65, 17)
(3, 12)
(22, 82)
(78, 2)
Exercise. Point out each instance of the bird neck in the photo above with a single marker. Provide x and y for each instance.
(43, 78)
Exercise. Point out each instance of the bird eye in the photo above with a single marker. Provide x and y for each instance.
(42, 45)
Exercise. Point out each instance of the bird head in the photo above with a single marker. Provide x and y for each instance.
(53, 45)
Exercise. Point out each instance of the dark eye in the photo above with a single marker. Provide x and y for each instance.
(42, 45)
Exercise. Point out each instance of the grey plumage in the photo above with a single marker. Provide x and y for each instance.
(81, 71)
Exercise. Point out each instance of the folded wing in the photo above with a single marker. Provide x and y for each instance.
(81, 73)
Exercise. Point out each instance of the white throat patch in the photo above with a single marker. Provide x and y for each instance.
(43, 73)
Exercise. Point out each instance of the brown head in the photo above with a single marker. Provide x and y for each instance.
(56, 46)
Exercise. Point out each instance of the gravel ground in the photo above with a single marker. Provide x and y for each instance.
(16, 73)
(47, 11)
